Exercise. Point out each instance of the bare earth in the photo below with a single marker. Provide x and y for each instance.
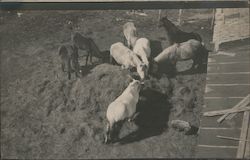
(44, 115)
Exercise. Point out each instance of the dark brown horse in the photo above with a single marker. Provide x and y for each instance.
(69, 59)
(87, 44)
(175, 35)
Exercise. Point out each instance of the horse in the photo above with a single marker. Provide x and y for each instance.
(191, 49)
(87, 44)
(69, 59)
(175, 35)
(130, 34)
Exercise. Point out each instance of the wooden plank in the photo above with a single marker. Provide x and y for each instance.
(220, 112)
(234, 114)
(225, 63)
(218, 104)
(243, 102)
(211, 122)
(204, 140)
(219, 128)
(231, 138)
(213, 146)
(221, 79)
(228, 68)
(227, 73)
(243, 135)
(228, 91)
(216, 98)
(247, 150)
(215, 153)
(226, 85)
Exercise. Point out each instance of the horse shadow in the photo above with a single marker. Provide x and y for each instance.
(153, 116)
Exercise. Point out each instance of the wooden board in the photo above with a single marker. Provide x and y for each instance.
(243, 135)
(226, 111)
(243, 102)
(234, 114)
(247, 150)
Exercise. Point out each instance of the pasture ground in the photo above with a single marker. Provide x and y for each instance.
(44, 115)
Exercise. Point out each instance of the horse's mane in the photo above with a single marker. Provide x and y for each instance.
(169, 26)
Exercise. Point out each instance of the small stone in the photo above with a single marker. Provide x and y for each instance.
(180, 125)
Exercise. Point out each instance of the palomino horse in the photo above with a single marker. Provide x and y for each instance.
(191, 49)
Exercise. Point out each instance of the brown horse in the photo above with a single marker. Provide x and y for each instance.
(88, 45)
(69, 59)
(175, 35)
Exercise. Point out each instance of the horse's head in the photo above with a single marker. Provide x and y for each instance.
(141, 70)
(163, 22)
(168, 25)
(135, 85)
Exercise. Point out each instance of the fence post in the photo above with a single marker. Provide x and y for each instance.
(179, 18)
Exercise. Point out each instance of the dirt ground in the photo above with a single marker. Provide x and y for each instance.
(45, 115)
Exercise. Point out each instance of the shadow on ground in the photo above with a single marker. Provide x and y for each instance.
(153, 116)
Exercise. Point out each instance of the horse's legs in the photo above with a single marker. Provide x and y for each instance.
(124, 40)
(107, 135)
(133, 117)
(91, 58)
(76, 71)
(76, 67)
(129, 45)
(109, 132)
(63, 66)
(110, 59)
(69, 70)
(76, 62)
(87, 58)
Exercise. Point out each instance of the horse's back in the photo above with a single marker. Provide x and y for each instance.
(142, 45)
(188, 49)
(120, 53)
(80, 41)
(129, 29)
(129, 25)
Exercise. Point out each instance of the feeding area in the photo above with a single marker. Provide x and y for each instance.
(102, 84)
